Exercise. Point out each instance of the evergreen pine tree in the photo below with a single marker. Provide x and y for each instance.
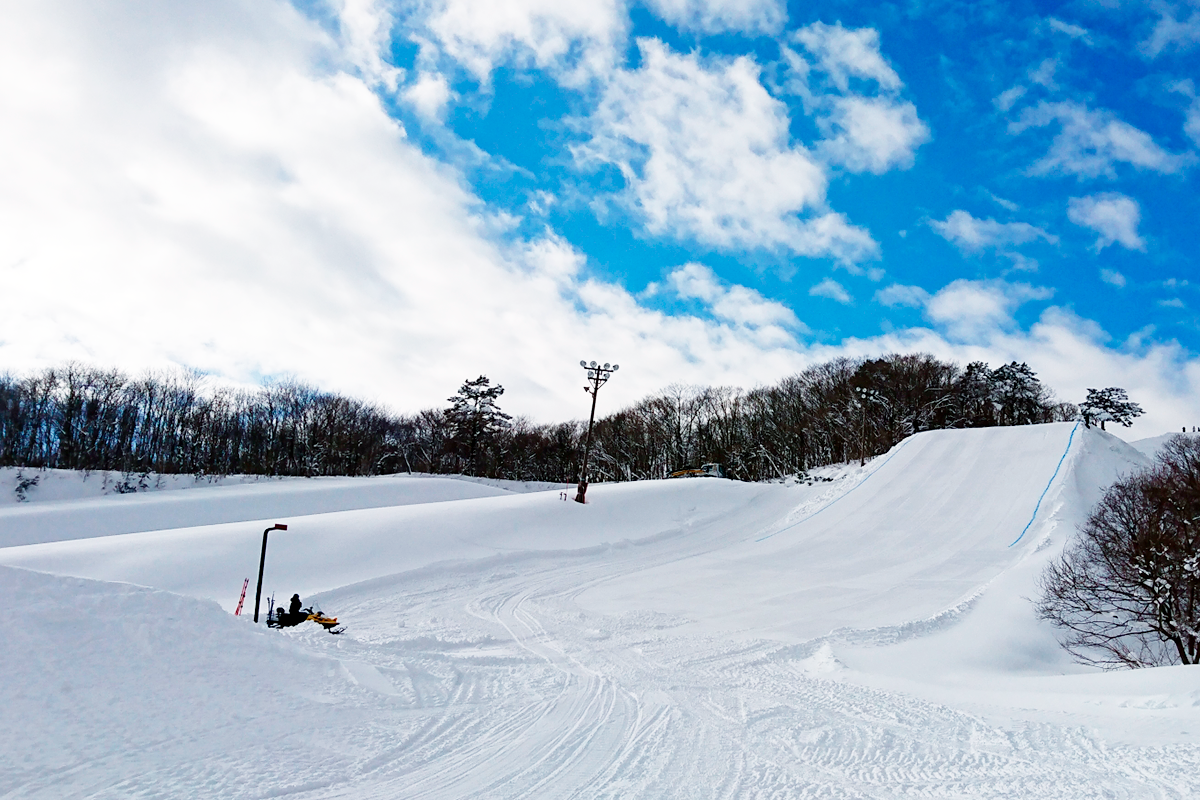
(475, 419)
(1109, 405)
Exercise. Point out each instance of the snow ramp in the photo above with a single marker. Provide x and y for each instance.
(928, 527)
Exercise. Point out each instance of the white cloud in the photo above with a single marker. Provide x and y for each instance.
(366, 33)
(1007, 205)
(1174, 302)
(1070, 29)
(872, 134)
(234, 203)
(1112, 277)
(973, 310)
(1114, 216)
(573, 39)
(715, 16)
(1090, 143)
(1191, 123)
(900, 295)
(429, 94)
(842, 54)
(831, 289)
(733, 303)
(972, 235)
(705, 153)
(1009, 97)
(1171, 33)
(209, 191)
(1043, 74)
(865, 124)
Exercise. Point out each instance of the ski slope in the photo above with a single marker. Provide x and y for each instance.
(83, 506)
(866, 636)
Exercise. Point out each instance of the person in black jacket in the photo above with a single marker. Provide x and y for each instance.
(294, 608)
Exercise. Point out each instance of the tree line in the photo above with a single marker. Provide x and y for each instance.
(87, 418)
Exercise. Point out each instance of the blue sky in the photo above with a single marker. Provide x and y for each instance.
(386, 198)
(1017, 102)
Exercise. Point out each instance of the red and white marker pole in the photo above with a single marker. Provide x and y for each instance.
(237, 612)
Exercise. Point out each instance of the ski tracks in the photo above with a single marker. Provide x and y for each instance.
(570, 704)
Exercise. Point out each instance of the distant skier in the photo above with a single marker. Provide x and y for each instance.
(294, 608)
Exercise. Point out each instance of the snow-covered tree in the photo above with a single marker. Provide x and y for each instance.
(1017, 394)
(1109, 405)
(475, 419)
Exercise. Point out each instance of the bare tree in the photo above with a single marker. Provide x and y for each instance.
(1127, 591)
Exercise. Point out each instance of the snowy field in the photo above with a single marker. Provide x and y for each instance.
(867, 636)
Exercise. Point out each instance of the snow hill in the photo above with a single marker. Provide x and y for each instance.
(866, 636)
(83, 511)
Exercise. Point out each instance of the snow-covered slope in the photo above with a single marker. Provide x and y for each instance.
(1150, 447)
(82, 516)
(325, 551)
(937, 518)
(867, 637)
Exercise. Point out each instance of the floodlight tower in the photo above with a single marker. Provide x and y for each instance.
(597, 376)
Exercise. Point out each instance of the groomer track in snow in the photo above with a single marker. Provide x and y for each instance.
(862, 637)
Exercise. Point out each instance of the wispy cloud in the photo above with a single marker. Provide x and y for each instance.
(738, 304)
(715, 16)
(972, 235)
(844, 54)
(901, 295)
(574, 40)
(1070, 29)
(831, 289)
(1091, 143)
(1113, 278)
(1112, 215)
(1170, 32)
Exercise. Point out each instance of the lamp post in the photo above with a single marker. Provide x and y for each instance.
(865, 395)
(597, 376)
(262, 562)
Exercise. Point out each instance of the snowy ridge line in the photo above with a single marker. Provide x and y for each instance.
(1049, 483)
(839, 497)
(883, 635)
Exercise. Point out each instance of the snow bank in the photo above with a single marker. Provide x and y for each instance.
(235, 501)
(325, 551)
(1150, 447)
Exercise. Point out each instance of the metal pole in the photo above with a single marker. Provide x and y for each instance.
(587, 447)
(597, 375)
(262, 562)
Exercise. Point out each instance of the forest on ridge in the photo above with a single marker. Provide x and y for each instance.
(179, 422)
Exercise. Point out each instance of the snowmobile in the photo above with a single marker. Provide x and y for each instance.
(279, 618)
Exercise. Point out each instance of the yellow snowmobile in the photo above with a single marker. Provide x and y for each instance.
(279, 618)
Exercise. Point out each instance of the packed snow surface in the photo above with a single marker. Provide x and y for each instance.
(87, 505)
(865, 635)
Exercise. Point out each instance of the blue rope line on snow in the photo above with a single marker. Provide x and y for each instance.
(839, 497)
(1051, 481)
